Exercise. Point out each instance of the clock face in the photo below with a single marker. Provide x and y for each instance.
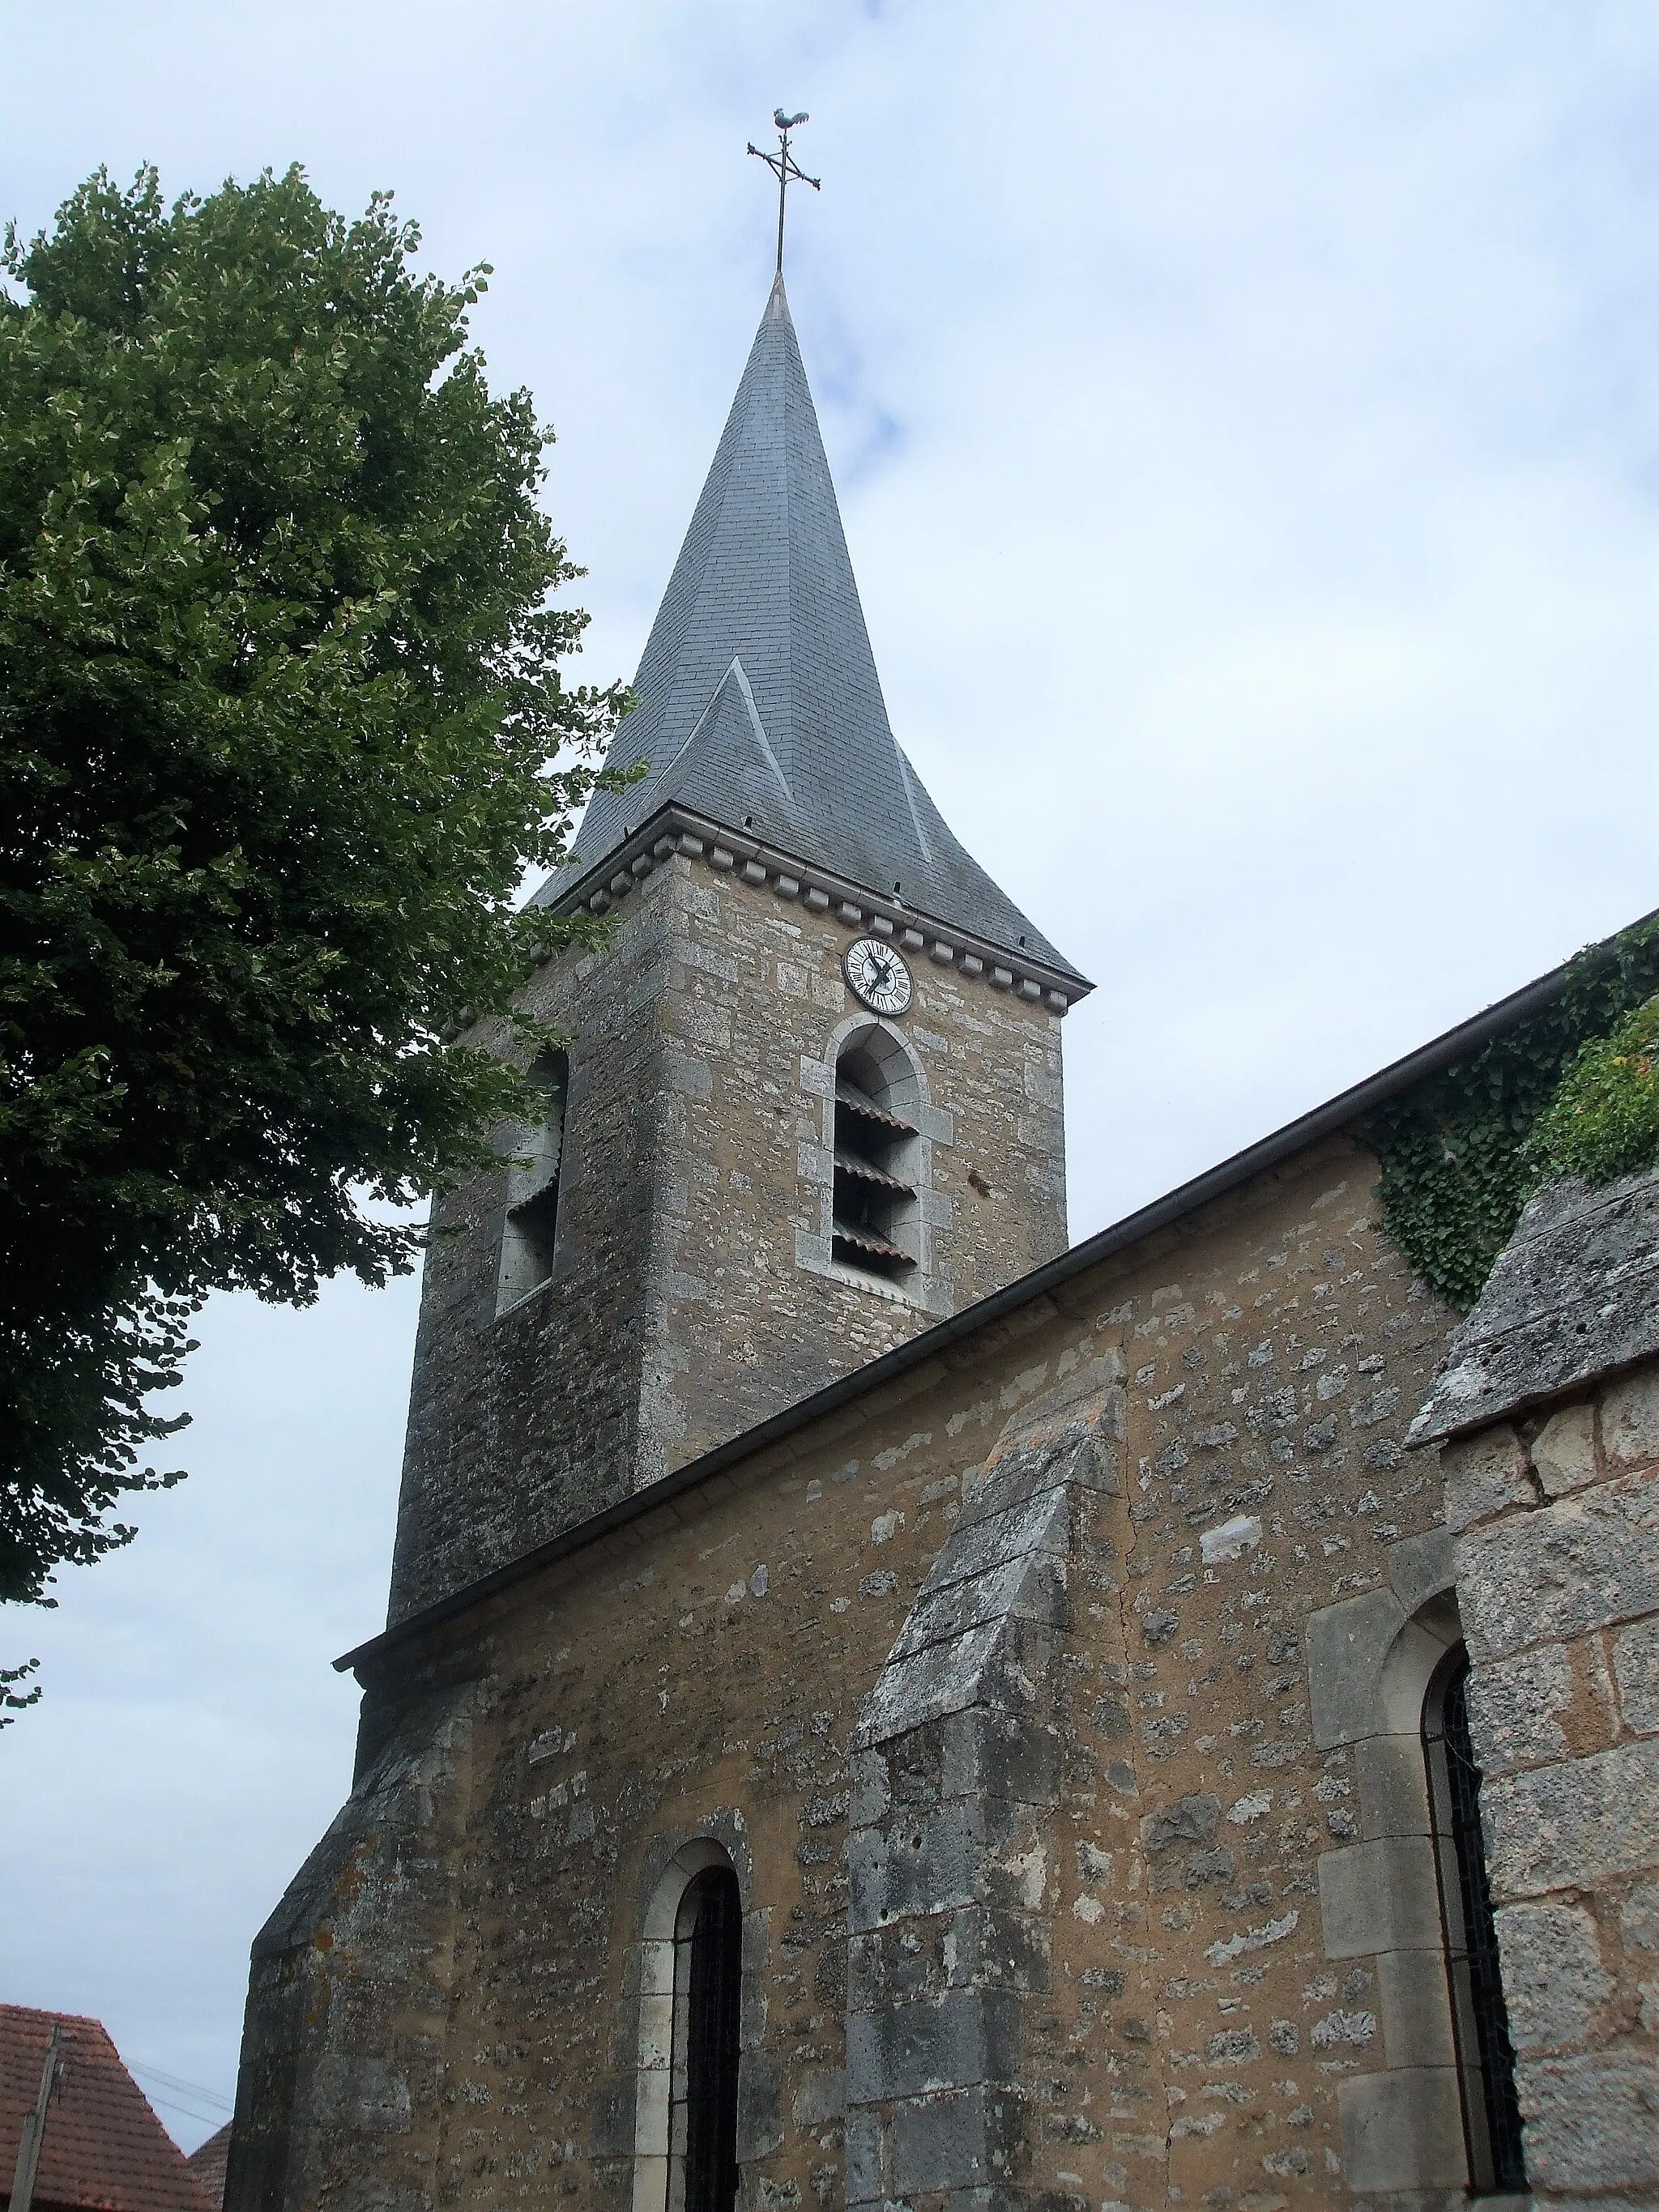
(878, 976)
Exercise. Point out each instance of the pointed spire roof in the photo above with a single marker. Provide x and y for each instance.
(759, 704)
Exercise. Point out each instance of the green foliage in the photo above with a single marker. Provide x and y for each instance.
(11, 1702)
(1603, 1120)
(1457, 1166)
(282, 725)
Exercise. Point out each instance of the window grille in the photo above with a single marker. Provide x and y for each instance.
(1492, 2113)
(708, 1984)
(532, 1196)
(874, 1214)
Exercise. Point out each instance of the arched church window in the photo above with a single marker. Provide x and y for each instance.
(1485, 2058)
(532, 1185)
(703, 2139)
(876, 1217)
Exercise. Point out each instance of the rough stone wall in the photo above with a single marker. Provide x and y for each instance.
(1557, 1575)
(957, 1771)
(1152, 1987)
(522, 1422)
(1204, 2025)
(344, 2063)
(752, 997)
(694, 1157)
(1556, 1512)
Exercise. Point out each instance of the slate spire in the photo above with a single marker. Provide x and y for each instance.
(759, 704)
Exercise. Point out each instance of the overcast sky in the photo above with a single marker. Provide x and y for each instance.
(1243, 419)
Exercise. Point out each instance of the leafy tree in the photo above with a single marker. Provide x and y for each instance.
(282, 725)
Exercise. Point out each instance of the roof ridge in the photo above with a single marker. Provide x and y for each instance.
(738, 670)
(45, 2012)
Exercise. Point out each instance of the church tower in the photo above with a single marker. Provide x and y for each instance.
(809, 1100)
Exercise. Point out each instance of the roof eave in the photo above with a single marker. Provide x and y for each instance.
(601, 881)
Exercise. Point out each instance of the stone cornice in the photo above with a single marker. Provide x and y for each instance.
(675, 831)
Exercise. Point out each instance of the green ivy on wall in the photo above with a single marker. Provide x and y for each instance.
(1457, 1168)
(1604, 1118)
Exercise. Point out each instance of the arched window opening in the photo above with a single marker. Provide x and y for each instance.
(876, 1217)
(1485, 2057)
(532, 1187)
(703, 2167)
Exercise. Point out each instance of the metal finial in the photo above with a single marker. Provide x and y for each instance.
(783, 168)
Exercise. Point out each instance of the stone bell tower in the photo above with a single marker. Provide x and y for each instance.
(809, 1102)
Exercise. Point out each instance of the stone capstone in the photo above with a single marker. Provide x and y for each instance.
(1574, 1295)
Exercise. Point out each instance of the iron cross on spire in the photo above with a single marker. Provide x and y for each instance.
(783, 168)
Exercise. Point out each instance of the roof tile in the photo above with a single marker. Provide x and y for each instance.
(104, 2150)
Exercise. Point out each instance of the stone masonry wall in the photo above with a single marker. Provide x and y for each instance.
(1167, 2027)
(349, 1997)
(1205, 2024)
(1547, 1409)
(695, 1157)
(752, 996)
(1558, 1574)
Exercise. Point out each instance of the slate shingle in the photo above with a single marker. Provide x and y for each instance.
(759, 704)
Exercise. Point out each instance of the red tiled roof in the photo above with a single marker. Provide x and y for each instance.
(105, 2150)
(207, 2162)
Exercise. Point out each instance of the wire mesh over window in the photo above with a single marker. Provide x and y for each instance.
(532, 1187)
(707, 1984)
(1492, 2113)
(875, 1212)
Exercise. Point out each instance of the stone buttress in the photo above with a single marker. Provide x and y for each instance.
(1547, 1413)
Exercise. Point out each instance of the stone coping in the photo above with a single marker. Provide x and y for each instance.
(1574, 1295)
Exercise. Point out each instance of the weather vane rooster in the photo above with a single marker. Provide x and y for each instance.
(783, 168)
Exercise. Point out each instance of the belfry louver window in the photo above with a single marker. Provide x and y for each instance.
(875, 1211)
(532, 1187)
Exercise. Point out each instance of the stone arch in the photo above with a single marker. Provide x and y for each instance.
(865, 1054)
(670, 1869)
(654, 2068)
(887, 1050)
(1372, 1662)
